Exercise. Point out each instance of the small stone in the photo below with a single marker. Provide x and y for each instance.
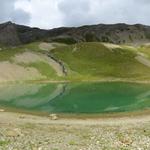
(126, 141)
(34, 148)
(21, 117)
(53, 116)
(2, 110)
(92, 138)
(14, 133)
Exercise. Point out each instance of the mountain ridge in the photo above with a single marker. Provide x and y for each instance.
(12, 34)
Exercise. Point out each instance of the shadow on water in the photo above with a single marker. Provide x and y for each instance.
(76, 98)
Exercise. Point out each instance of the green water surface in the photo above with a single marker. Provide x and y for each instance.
(88, 98)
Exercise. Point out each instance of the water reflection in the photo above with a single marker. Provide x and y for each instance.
(76, 98)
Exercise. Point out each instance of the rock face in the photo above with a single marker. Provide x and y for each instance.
(8, 34)
(117, 33)
(13, 34)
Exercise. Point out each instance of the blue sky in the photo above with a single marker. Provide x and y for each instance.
(56, 13)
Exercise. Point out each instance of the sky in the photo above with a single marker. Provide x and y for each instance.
(56, 13)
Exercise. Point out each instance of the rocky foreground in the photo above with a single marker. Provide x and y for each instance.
(27, 132)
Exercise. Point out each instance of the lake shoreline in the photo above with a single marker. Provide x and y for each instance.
(36, 132)
(17, 117)
(110, 115)
(76, 81)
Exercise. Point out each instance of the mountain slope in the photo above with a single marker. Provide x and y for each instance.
(85, 61)
(96, 61)
(12, 34)
(115, 33)
(8, 34)
(29, 62)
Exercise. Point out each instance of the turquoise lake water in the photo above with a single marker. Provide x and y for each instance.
(77, 98)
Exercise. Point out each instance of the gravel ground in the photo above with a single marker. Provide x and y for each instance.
(27, 132)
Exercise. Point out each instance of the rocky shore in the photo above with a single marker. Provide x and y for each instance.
(27, 132)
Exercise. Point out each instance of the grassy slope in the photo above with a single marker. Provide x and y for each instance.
(145, 49)
(88, 61)
(95, 61)
(7, 54)
(44, 68)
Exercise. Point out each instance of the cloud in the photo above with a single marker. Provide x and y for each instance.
(43, 13)
(20, 16)
(8, 12)
(75, 12)
(104, 11)
(56, 13)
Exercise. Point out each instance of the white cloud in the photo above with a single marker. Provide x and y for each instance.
(75, 12)
(105, 11)
(8, 12)
(44, 14)
(55, 13)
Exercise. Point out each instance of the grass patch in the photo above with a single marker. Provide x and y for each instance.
(95, 61)
(72, 143)
(33, 47)
(3, 143)
(7, 53)
(145, 49)
(44, 68)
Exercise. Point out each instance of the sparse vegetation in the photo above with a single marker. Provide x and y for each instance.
(3, 143)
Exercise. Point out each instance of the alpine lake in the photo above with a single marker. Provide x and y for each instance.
(75, 98)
